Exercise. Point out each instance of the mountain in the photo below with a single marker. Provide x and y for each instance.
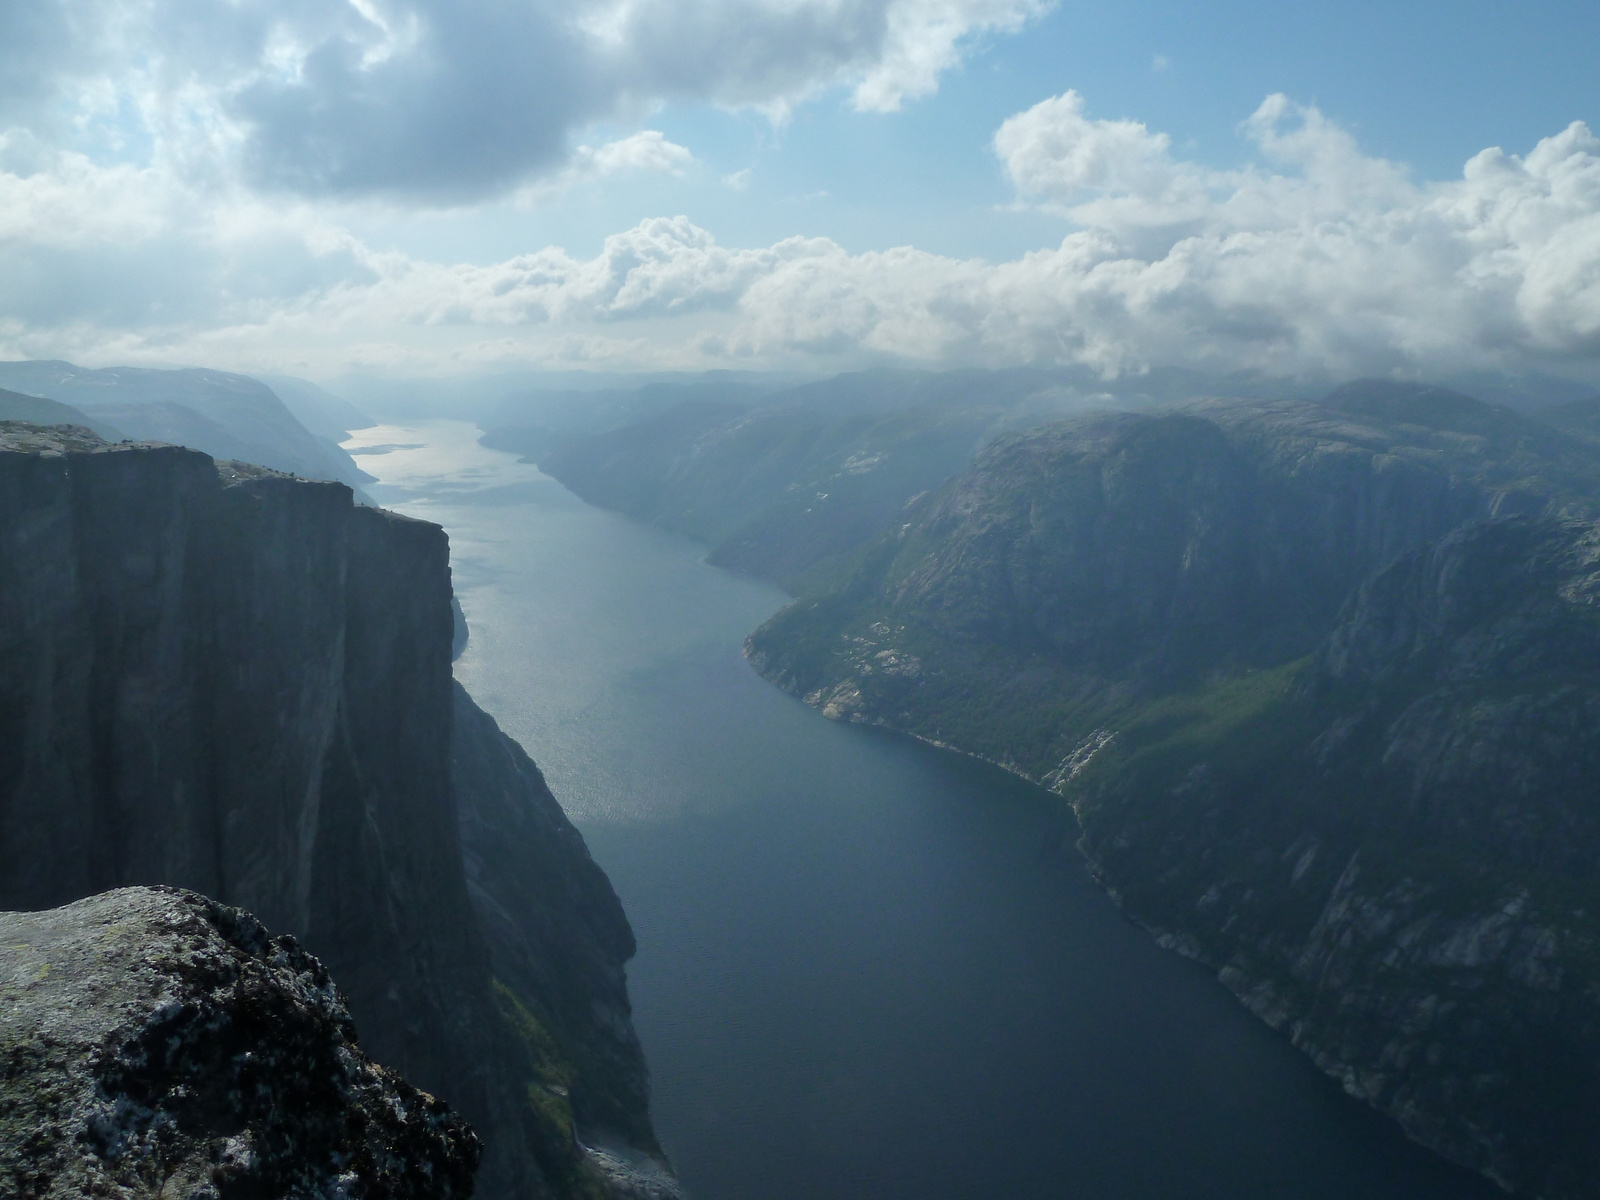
(1579, 416)
(552, 424)
(14, 406)
(227, 416)
(788, 481)
(223, 678)
(1321, 683)
(319, 410)
(536, 423)
(177, 425)
(784, 493)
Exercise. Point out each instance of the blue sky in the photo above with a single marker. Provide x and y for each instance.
(1425, 85)
(425, 186)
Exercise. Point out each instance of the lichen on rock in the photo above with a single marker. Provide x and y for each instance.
(155, 1043)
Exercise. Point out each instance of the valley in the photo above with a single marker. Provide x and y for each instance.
(866, 967)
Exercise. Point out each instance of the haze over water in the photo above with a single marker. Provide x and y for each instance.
(867, 968)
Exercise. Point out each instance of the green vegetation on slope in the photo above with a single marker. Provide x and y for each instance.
(1322, 685)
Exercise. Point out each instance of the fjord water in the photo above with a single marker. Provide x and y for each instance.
(867, 968)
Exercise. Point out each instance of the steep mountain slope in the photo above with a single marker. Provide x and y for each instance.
(1320, 683)
(782, 493)
(1391, 851)
(556, 934)
(191, 407)
(319, 410)
(1139, 551)
(223, 678)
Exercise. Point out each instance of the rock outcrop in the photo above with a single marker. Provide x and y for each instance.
(221, 678)
(154, 1043)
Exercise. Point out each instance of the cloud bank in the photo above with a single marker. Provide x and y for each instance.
(1313, 259)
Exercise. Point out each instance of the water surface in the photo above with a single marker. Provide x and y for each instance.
(867, 969)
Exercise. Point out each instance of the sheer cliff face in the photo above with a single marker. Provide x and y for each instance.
(1325, 706)
(239, 682)
(556, 931)
(239, 686)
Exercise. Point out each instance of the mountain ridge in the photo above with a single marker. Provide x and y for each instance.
(226, 415)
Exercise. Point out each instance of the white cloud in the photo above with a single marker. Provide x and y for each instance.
(924, 38)
(647, 152)
(1053, 150)
(1316, 259)
(433, 100)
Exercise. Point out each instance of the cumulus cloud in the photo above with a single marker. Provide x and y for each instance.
(1055, 150)
(1314, 258)
(645, 152)
(442, 101)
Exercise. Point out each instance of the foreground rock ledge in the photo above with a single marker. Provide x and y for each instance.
(154, 1043)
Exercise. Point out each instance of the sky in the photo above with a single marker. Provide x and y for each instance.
(438, 187)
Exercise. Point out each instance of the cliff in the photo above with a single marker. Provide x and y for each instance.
(155, 1043)
(1320, 683)
(557, 939)
(225, 679)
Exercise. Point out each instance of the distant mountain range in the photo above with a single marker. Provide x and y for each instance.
(230, 417)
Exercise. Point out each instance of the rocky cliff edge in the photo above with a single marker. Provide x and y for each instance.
(155, 1043)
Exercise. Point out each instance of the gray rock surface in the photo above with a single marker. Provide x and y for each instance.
(222, 678)
(154, 1043)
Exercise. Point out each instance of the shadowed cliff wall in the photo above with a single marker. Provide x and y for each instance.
(229, 680)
